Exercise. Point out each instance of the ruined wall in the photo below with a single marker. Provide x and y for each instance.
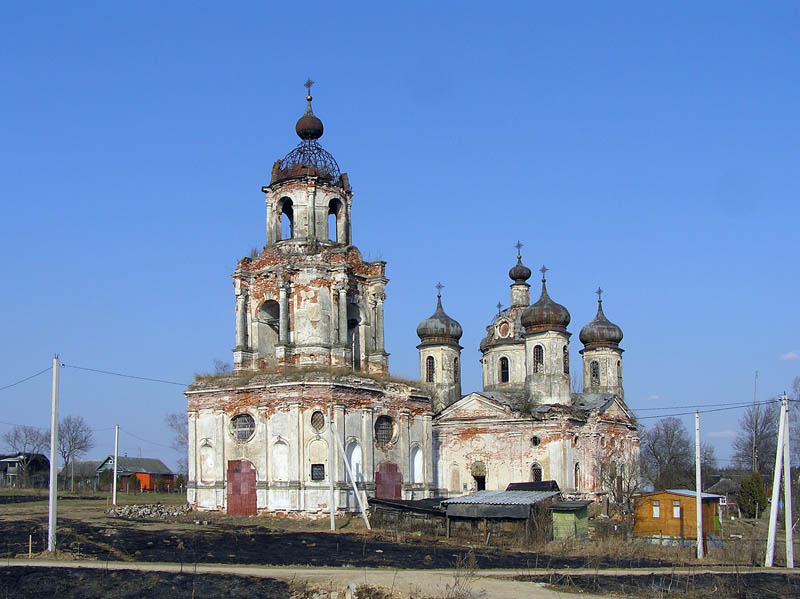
(292, 439)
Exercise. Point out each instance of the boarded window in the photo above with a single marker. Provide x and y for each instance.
(656, 509)
(384, 430)
(243, 427)
(317, 420)
(430, 369)
(503, 370)
(538, 359)
(317, 471)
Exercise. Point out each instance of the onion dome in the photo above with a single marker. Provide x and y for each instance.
(545, 314)
(519, 273)
(439, 328)
(601, 331)
(309, 126)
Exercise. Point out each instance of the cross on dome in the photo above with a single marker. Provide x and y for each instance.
(499, 307)
(308, 85)
(599, 293)
(439, 288)
(543, 270)
(519, 245)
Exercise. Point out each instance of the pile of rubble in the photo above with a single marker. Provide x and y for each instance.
(153, 511)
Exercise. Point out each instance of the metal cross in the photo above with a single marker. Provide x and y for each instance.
(599, 293)
(519, 248)
(439, 288)
(499, 307)
(543, 270)
(308, 85)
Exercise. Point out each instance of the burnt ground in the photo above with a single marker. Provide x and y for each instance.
(68, 583)
(753, 585)
(121, 540)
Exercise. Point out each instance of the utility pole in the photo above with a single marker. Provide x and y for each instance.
(787, 489)
(776, 482)
(698, 485)
(755, 401)
(352, 477)
(116, 452)
(331, 494)
(51, 512)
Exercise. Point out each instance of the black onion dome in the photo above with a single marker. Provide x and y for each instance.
(309, 126)
(519, 273)
(600, 331)
(439, 326)
(545, 314)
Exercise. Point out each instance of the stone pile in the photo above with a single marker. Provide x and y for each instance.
(153, 511)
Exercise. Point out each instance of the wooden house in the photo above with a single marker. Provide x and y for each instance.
(670, 517)
(150, 474)
(24, 470)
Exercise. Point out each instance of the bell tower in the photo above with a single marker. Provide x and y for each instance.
(309, 298)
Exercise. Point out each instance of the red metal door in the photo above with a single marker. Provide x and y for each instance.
(241, 488)
(388, 482)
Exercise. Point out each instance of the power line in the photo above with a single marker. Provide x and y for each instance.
(707, 405)
(27, 378)
(145, 440)
(128, 376)
(733, 407)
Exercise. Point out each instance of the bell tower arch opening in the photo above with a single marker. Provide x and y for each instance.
(286, 210)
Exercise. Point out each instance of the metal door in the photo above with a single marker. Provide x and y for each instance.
(241, 488)
(388, 482)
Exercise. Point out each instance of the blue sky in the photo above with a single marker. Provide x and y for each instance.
(649, 149)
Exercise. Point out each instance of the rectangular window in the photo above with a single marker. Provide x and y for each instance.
(656, 509)
(676, 509)
(317, 471)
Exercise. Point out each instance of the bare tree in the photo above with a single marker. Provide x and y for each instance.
(179, 425)
(621, 476)
(794, 422)
(667, 455)
(75, 439)
(755, 444)
(222, 368)
(26, 441)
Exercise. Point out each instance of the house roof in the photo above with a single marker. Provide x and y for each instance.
(502, 498)
(543, 485)
(685, 492)
(724, 486)
(144, 465)
(569, 506)
(83, 468)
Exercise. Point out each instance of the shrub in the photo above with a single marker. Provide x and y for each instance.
(751, 496)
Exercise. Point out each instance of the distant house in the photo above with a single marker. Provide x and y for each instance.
(24, 469)
(151, 474)
(670, 516)
(83, 472)
(728, 489)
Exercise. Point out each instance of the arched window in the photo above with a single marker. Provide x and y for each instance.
(619, 373)
(503, 370)
(456, 371)
(430, 369)
(566, 359)
(536, 473)
(538, 359)
(287, 219)
(577, 476)
(333, 219)
(353, 453)
(417, 475)
(594, 367)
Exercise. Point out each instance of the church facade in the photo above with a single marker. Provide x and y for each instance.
(310, 416)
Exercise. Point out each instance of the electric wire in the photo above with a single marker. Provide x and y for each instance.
(129, 376)
(27, 378)
(145, 440)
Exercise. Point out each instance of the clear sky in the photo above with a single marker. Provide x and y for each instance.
(649, 148)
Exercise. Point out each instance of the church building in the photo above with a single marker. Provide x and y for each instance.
(311, 405)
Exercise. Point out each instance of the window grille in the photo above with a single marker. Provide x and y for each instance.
(619, 373)
(456, 371)
(538, 359)
(243, 427)
(566, 359)
(595, 372)
(430, 369)
(317, 471)
(536, 473)
(503, 370)
(384, 430)
(318, 420)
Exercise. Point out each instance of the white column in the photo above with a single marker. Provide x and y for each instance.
(283, 331)
(241, 321)
(379, 323)
(343, 316)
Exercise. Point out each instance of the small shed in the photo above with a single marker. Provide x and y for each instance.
(671, 516)
(570, 519)
(501, 513)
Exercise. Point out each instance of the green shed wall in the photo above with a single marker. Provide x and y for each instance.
(565, 523)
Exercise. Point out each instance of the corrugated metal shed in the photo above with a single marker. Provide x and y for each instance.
(496, 504)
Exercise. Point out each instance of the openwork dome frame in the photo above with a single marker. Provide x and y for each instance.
(309, 159)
